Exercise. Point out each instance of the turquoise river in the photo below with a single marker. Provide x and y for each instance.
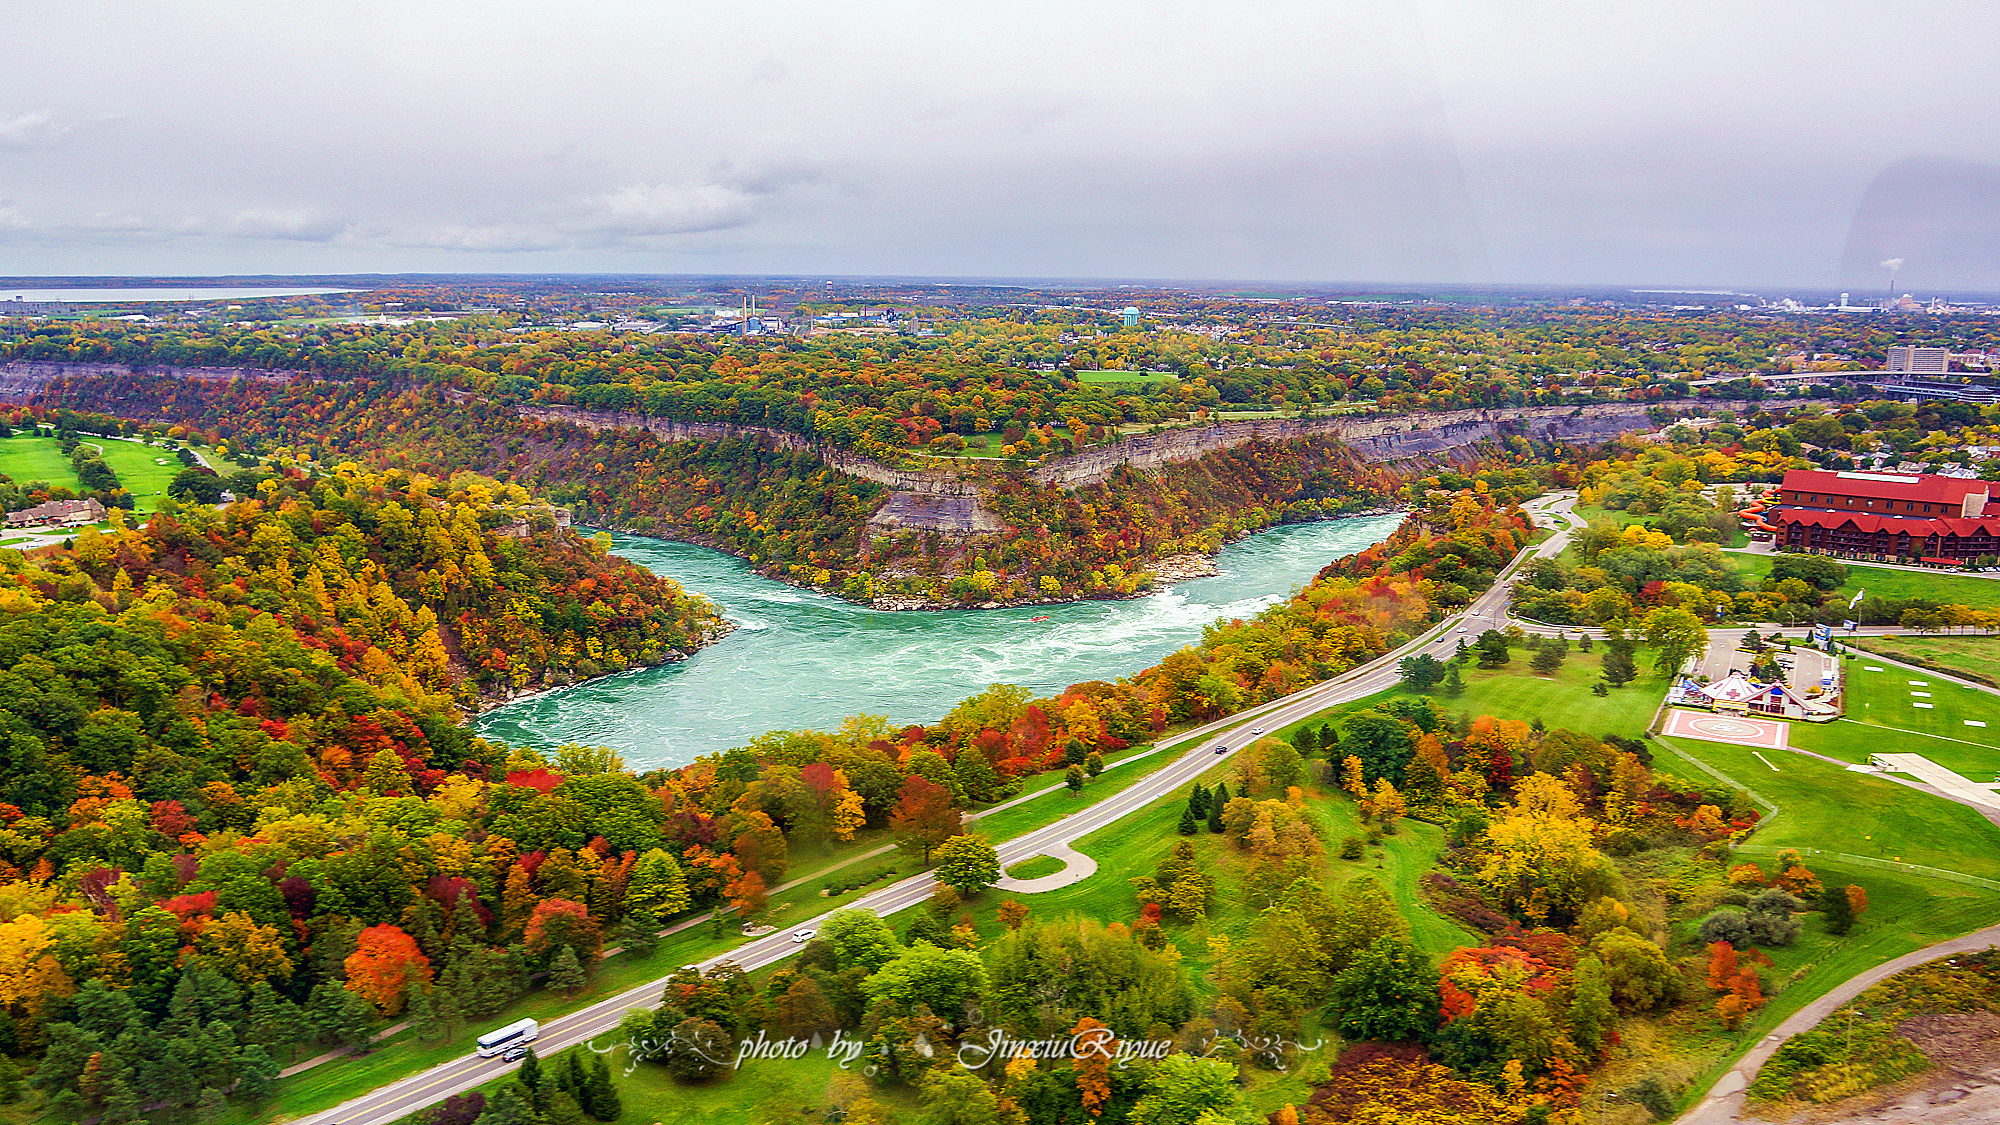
(801, 660)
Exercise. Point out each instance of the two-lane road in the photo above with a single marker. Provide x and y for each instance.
(1211, 744)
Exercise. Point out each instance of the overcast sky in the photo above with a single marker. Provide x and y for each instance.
(1684, 143)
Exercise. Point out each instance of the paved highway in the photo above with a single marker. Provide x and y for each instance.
(1210, 745)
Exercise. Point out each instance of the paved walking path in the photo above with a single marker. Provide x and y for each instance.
(1724, 1103)
(1080, 867)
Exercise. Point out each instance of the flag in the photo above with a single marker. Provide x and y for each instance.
(1856, 600)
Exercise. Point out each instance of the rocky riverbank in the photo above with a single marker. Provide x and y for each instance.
(489, 698)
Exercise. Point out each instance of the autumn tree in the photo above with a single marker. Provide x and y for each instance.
(384, 963)
(923, 817)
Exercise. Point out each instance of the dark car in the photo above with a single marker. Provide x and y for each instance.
(1222, 749)
(515, 1054)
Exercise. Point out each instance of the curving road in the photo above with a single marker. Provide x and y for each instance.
(1207, 746)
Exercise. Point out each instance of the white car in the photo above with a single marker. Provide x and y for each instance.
(1256, 730)
(800, 937)
(1461, 628)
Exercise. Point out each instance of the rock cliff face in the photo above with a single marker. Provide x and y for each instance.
(22, 380)
(952, 501)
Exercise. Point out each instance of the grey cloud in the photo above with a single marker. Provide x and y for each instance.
(30, 131)
(1707, 141)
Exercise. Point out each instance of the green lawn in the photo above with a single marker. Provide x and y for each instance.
(1903, 914)
(1822, 805)
(1977, 656)
(1881, 719)
(1879, 582)
(1126, 377)
(1036, 867)
(144, 470)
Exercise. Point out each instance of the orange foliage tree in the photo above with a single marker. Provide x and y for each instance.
(384, 962)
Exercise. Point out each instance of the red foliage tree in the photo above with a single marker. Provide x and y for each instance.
(384, 962)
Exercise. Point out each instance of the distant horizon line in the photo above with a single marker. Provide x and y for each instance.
(1206, 285)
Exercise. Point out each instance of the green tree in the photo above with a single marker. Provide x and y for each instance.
(955, 1097)
(566, 972)
(1837, 909)
(256, 1074)
(1421, 672)
(859, 938)
(1675, 635)
(1547, 660)
(1590, 1011)
(599, 1096)
(943, 980)
(1492, 648)
(1389, 993)
(657, 884)
(639, 933)
(1184, 1090)
(1619, 668)
(967, 864)
(1073, 779)
(1454, 680)
(1188, 825)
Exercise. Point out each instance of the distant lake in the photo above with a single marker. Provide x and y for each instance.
(136, 296)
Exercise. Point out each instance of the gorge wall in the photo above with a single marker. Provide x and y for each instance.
(950, 499)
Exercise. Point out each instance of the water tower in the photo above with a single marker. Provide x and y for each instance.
(1131, 317)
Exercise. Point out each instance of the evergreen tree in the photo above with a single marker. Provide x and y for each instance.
(421, 1013)
(639, 934)
(1838, 910)
(602, 1100)
(1388, 993)
(256, 1074)
(10, 1081)
(571, 1075)
(566, 972)
(1329, 740)
(1189, 825)
(338, 1015)
(509, 1107)
(1619, 668)
(532, 1080)
(1305, 740)
(1198, 800)
(1454, 680)
(1461, 654)
(1216, 800)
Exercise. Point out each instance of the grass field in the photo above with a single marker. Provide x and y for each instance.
(1822, 805)
(1126, 377)
(1881, 719)
(144, 470)
(1881, 582)
(1979, 656)
(1561, 700)
(1036, 867)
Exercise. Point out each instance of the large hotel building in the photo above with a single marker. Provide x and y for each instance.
(1914, 516)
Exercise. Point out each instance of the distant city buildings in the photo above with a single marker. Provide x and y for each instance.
(1919, 361)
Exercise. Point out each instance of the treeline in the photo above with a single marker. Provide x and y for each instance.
(788, 514)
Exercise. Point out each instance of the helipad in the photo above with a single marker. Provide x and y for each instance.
(1760, 733)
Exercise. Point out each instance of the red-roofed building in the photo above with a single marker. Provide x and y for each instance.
(1886, 515)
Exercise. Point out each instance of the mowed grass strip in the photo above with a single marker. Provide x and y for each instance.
(28, 459)
(1979, 656)
(1880, 582)
(1823, 805)
(1882, 718)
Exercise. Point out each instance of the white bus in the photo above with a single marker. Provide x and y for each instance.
(513, 1035)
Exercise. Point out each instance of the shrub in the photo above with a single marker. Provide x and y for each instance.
(1350, 848)
(1732, 926)
(1652, 1094)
